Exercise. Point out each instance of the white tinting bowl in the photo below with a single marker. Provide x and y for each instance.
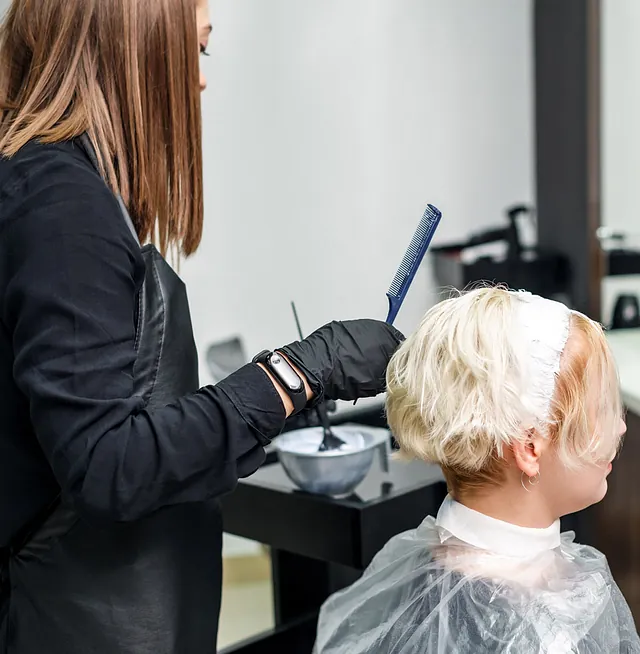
(335, 472)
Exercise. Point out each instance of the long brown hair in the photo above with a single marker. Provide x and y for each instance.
(126, 73)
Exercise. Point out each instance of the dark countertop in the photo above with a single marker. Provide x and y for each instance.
(268, 508)
(403, 477)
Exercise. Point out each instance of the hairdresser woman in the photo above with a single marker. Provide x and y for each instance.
(111, 459)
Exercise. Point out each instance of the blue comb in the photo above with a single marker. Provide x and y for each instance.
(412, 260)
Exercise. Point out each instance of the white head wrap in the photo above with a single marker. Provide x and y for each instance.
(545, 326)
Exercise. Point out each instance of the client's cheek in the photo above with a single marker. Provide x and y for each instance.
(606, 451)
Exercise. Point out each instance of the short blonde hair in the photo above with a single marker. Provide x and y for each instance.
(454, 389)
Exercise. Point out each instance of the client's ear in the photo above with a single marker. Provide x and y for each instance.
(527, 452)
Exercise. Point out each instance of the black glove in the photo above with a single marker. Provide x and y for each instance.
(346, 360)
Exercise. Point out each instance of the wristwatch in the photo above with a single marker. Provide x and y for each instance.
(288, 379)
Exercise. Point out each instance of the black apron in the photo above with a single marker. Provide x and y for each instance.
(149, 587)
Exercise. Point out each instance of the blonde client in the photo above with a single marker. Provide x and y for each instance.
(516, 397)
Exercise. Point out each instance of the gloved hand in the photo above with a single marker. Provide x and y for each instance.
(346, 360)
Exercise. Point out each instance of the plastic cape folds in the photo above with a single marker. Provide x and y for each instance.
(429, 592)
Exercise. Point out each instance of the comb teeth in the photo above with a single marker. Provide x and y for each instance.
(429, 217)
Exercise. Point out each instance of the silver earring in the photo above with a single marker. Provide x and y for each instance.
(531, 480)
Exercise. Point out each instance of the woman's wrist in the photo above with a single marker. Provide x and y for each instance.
(286, 400)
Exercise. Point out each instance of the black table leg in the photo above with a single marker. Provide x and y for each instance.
(301, 585)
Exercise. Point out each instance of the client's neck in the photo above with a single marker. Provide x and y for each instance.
(509, 504)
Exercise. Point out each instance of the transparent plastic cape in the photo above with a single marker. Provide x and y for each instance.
(427, 592)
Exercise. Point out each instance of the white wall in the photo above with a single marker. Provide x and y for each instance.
(620, 131)
(621, 113)
(329, 124)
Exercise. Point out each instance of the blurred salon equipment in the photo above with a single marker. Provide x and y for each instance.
(621, 250)
(504, 254)
(626, 312)
(225, 357)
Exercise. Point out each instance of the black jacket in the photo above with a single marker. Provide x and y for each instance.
(110, 458)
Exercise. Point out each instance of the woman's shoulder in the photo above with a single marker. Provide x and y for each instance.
(36, 157)
(52, 184)
(39, 169)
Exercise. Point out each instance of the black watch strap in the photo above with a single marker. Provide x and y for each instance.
(288, 379)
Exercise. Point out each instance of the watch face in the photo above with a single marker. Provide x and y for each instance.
(285, 373)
